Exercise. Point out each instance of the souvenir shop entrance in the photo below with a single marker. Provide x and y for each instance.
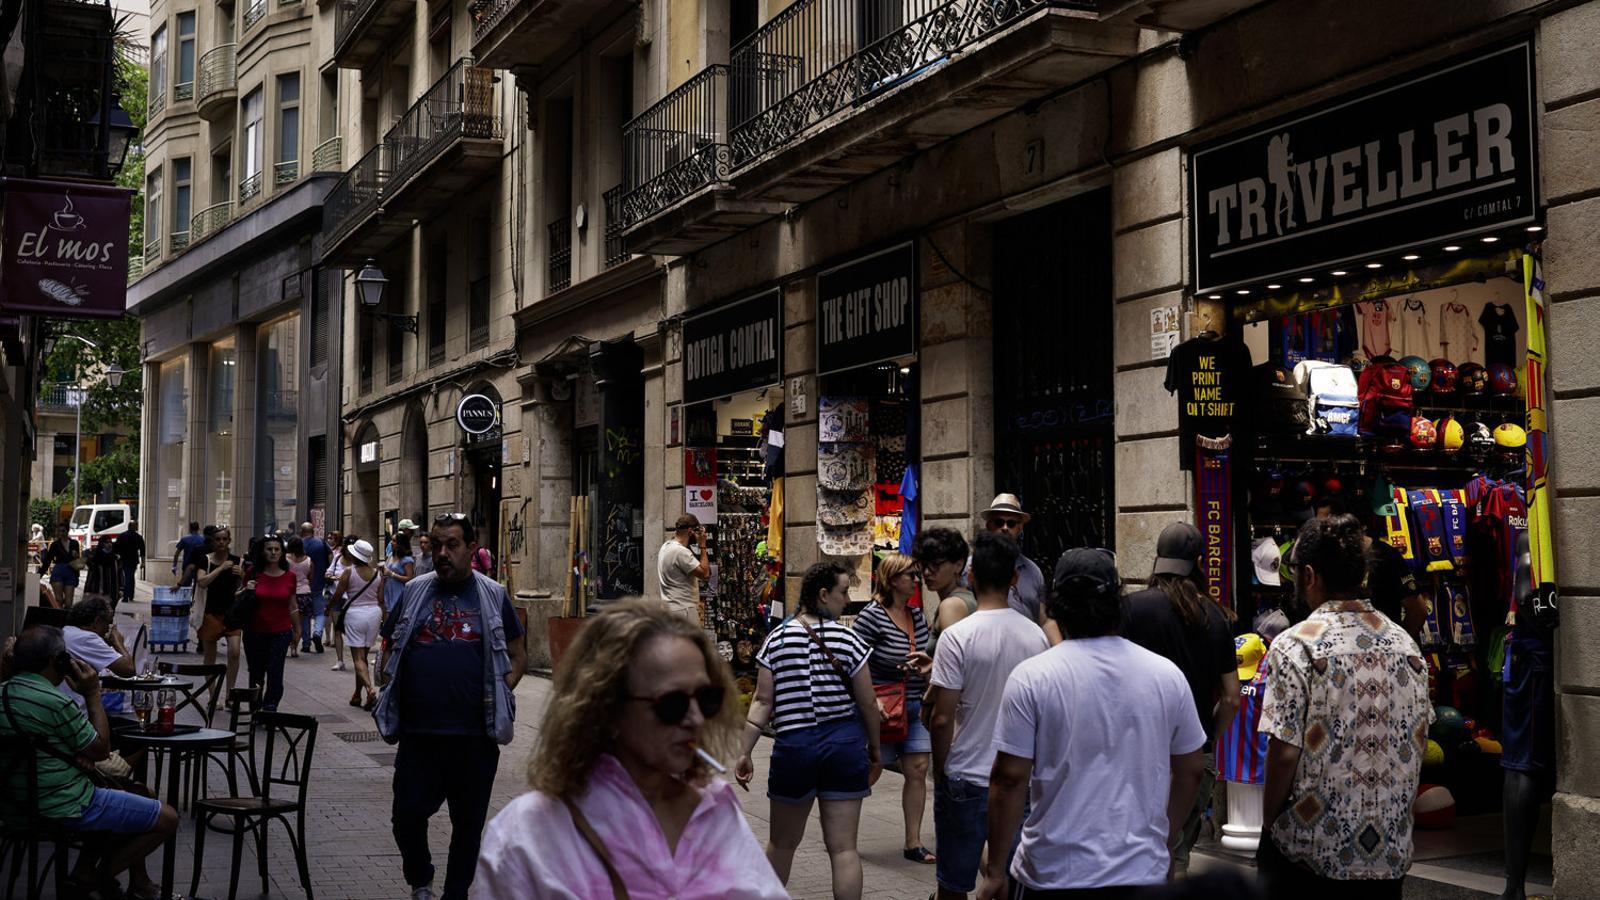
(1389, 364)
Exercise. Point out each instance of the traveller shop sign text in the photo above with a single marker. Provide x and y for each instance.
(867, 310)
(1415, 163)
(735, 347)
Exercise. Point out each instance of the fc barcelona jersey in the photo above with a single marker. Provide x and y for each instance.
(1242, 748)
(1499, 517)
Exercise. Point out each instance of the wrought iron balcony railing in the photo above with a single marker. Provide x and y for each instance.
(346, 16)
(463, 103)
(135, 268)
(328, 155)
(356, 193)
(486, 14)
(616, 246)
(677, 146)
(218, 72)
(179, 241)
(249, 187)
(255, 12)
(285, 172)
(560, 250)
(152, 251)
(210, 220)
(158, 102)
(183, 91)
(60, 398)
(818, 57)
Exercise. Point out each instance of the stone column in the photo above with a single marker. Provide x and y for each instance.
(197, 482)
(1569, 83)
(246, 404)
(1147, 273)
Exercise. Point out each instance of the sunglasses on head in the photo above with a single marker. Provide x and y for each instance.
(671, 707)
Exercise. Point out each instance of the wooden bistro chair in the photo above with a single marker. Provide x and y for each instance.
(23, 831)
(202, 698)
(242, 706)
(286, 764)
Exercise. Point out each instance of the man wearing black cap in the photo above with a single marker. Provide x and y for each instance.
(1174, 618)
(1059, 731)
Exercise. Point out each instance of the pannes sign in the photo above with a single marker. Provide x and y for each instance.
(66, 249)
(1425, 159)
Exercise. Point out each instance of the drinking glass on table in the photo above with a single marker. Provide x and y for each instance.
(142, 704)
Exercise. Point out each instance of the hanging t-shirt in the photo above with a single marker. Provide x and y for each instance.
(1499, 334)
(1212, 379)
(1458, 340)
(1416, 330)
(1375, 320)
(1499, 517)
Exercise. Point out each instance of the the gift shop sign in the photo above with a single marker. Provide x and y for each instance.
(867, 310)
(66, 248)
(1413, 163)
(734, 347)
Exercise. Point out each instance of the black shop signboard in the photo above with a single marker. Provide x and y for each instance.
(867, 310)
(734, 347)
(1415, 162)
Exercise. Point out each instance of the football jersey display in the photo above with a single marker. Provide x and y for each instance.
(1499, 516)
(1242, 748)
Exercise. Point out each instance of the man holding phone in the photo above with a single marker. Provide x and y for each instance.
(67, 739)
(679, 570)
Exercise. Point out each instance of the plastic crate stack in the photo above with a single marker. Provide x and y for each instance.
(169, 619)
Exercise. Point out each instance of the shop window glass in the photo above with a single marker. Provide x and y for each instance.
(219, 441)
(168, 493)
(277, 447)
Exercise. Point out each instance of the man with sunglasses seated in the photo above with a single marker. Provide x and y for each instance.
(453, 655)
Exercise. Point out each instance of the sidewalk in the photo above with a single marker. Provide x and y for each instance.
(353, 857)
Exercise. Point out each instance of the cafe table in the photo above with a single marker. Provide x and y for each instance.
(184, 739)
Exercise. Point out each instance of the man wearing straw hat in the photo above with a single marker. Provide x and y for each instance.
(1006, 516)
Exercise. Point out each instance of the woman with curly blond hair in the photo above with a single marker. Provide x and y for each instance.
(624, 795)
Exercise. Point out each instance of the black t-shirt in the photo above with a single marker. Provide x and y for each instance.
(1499, 334)
(130, 548)
(1202, 654)
(1389, 580)
(219, 593)
(1213, 382)
(441, 674)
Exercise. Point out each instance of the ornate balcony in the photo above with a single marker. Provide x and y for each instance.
(249, 187)
(218, 82)
(507, 33)
(183, 91)
(152, 252)
(157, 103)
(179, 240)
(135, 268)
(824, 94)
(254, 13)
(447, 142)
(328, 156)
(285, 172)
(210, 220)
(362, 28)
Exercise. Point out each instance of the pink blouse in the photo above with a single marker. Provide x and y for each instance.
(302, 574)
(533, 850)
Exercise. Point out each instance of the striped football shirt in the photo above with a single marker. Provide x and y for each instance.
(807, 689)
(1242, 748)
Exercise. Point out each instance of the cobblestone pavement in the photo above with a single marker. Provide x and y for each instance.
(353, 856)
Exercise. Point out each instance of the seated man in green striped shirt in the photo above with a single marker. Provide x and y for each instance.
(69, 740)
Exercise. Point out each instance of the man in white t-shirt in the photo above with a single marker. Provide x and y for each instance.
(92, 637)
(975, 657)
(1108, 736)
(680, 572)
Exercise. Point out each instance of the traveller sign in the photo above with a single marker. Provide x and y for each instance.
(735, 347)
(66, 249)
(867, 310)
(477, 414)
(1412, 163)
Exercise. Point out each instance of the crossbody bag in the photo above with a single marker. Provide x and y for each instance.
(619, 890)
(884, 733)
(338, 615)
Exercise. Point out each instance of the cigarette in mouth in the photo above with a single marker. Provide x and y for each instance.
(711, 761)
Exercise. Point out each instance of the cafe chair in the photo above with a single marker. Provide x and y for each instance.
(202, 698)
(242, 706)
(294, 737)
(22, 833)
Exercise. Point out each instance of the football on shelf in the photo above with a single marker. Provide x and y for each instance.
(1435, 807)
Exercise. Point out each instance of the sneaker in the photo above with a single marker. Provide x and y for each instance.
(339, 667)
(422, 893)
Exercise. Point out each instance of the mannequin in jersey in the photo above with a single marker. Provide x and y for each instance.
(1523, 793)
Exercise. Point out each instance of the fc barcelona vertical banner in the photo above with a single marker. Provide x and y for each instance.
(1213, 488)
(1541, 542)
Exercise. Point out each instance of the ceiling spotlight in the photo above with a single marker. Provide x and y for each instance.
(1411, 257)
(1213, 296)
(1535, 227)
(1273, 287)
(1339, 273)
(1374, 265)
(1490, 239)
(1306, 279)
(1451, 248)
(905, 370)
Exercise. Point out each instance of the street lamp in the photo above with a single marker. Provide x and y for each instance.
(370, 282)
(120, 132)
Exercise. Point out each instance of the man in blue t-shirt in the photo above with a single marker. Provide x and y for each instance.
(316, 550)
(187, 544)
(446, 749)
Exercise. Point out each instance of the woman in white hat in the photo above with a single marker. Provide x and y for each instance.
(359, 598)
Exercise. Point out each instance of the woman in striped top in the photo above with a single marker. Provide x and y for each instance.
(894, 631)
(814, 687)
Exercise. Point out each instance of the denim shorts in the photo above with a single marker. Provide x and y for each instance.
(918, 740)
(118, 812)
(823, 762)
(960, 826)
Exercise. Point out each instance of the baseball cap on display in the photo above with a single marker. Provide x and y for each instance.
(1285, 561)
(1178, 549)
(1264, 557)
(1248, 650)
(1511, 435)
(1090, 568)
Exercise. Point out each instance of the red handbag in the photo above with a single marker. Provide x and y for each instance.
(892, 701)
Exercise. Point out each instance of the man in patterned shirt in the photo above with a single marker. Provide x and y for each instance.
(1347, 712)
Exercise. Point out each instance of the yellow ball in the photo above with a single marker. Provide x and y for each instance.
(1434, 755)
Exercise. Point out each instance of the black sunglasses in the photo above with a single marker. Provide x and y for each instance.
(672, 706)
(447, 518)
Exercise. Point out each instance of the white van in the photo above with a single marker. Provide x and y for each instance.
(92, 520)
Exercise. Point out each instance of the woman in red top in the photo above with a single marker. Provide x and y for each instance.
(271, 629)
